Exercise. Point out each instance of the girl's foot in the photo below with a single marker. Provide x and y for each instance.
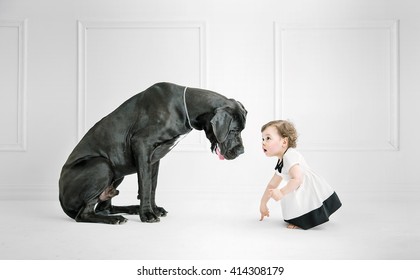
(292, 226)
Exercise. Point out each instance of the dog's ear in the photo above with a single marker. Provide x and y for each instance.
(221, 123)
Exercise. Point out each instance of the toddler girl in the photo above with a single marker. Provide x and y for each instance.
(307, 200)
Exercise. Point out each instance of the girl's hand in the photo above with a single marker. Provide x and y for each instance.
(276, 194)
(264, 211)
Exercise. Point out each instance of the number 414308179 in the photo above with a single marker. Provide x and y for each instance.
(256, 270)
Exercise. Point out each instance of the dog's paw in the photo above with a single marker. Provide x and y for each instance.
(117, 220)
(149, 217)
(160, 211)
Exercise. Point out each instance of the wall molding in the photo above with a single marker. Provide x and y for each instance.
(392, 26)
(84, 26)
(20, 145)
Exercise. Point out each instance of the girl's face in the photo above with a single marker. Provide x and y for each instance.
(272, 143)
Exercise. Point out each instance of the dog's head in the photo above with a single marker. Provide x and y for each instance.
(225, 133)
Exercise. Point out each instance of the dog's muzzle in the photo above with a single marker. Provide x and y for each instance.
(231, 153)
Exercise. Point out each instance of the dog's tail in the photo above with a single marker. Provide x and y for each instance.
(71, 213)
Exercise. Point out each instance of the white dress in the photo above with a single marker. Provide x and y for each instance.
(313, 201)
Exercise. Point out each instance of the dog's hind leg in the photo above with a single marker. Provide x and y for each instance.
(85, 184)
(130, 210)
(105, 206)
(87, 215)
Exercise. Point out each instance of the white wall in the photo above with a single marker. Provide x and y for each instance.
(346, 72)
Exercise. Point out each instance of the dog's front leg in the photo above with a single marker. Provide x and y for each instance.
(159, 211)
(145, 194)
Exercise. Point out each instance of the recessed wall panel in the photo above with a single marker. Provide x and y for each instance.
(339, 84)
(12, 86)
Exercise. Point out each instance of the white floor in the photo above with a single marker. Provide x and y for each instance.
(208, 226)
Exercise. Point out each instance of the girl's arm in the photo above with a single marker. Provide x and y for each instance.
(274, 183)
(296, 178)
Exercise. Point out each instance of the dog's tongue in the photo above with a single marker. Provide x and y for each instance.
(221, 157)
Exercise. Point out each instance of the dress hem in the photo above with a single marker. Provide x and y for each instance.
(317, 216)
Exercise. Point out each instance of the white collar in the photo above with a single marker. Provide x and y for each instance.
(186, 109)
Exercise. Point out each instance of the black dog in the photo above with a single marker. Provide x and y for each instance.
(133, 138)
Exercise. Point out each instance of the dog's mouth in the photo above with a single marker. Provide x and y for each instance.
(228, 154)
(219, 153)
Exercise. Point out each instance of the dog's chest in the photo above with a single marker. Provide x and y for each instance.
(161, 149)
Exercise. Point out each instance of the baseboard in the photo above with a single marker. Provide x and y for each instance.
(50, 192)
(28, 192)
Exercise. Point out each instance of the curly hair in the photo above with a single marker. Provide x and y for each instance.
(285, 129)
